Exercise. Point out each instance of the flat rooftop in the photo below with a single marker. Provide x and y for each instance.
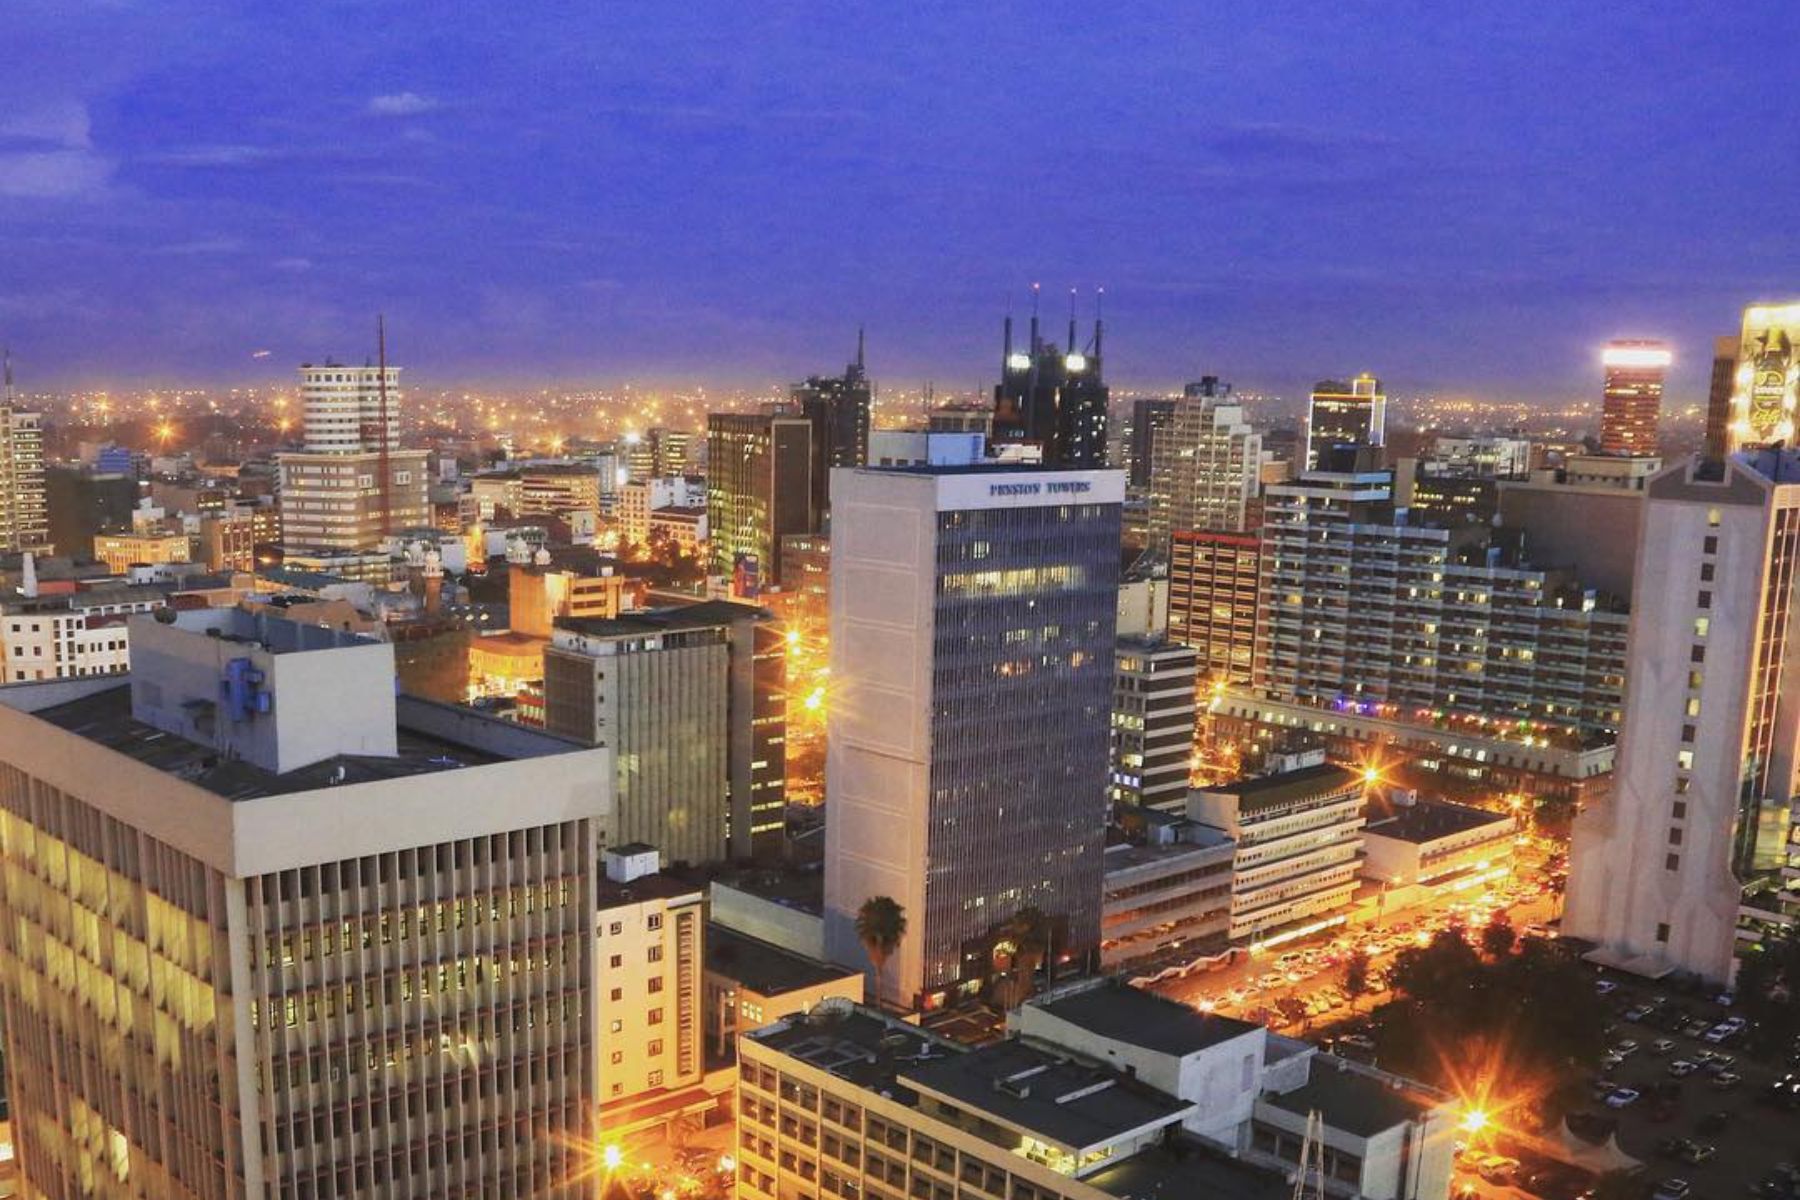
(1290, 786)
(104, 718)
(1181, 1169)
(1349, 1100)
(612, 893)
(855, 1045)
(1048, 1094)
(1131, 1015)
(1130, 856)
(763, 967)
(1429, 820)
(677, 617)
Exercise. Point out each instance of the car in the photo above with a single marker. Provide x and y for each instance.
(1606, 987)
(1695, 1028)
(1611, 1061)
(1681, 1068)
(1725, 999)
(1717, 1034)
(1734, 1023)
(1718, 1064)
(1671, 1189)
(1622, 1097)
(1626, 1047)
(1672, 1147)
(1498, 1169)
(1662, 1046)
(1637, 1014)
(1726, 1080)
(1695, 1153)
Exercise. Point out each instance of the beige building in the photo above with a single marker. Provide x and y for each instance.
(121, 550)
(24, 515)
(1203, 472)
(650, 948)
(352, 485)
(750, 982)
(266, 932)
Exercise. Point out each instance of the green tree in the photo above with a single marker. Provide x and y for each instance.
(1356, 977)
(880, 924)
(1498, 936)
(1766, 980)
(1618, 1185)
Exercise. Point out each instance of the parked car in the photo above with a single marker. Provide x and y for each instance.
(1662, 1046)
(1498, 1170)
(1622, 1097)
(1681, 1068)
(1695, 1153)
(1671, 1189)
(1606, 987)
(1726, 1080)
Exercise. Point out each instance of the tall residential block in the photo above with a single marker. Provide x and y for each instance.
(24, 515)
(1152, 722)
(1696, 828)
(1149, 415)
(972, 640)
(352, 484)
(759, 489)
(1204, 466)
(1344, 414)
(689, 703)
(1631, 402)
(268, 930)
(1213, 582)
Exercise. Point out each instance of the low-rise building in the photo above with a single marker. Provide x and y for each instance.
(750, 982)
(681, 526)
(1169, 891)
(121, 549)
(71, 634)
(1415, 848)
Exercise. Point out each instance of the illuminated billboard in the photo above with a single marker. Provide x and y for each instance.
(1767, 383)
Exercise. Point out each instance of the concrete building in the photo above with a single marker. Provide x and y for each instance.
(1415, 849)
(544, 489)
(1100, 1093)
(1696, 825)
(1053, 399)
(838, 407)
(689, 703)
(1213, 589)
(266, 932)
(1168, 891)
(81, 503)
(759, 489)
(750, 982)
(71, 634)
(1149, 415)
(649, 934)
(1344, 414)
(1631, 399)
(352, 485)
(926, 448)
(1204, 466)
(24, 514)
(1152, 722)
(683, 528)
(121, 550)
(972, 618)
(638, 498)
(1298, 846)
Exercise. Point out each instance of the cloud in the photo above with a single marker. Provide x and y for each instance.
(53, 175)
(61, 123)
(224, 155)
(401, 104)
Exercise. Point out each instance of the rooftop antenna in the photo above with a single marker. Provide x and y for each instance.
(1034, 320)
(859, 350)
(1006, 344)
(1099, 322)
(6, 355)
(1071, 320)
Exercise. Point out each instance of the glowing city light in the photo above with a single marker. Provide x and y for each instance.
(612, 1157)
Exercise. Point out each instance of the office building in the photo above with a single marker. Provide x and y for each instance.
(1152, 722)
(1148, 416)
(1213, 587)
(751, 982)
(1718, 396)
(650, 955)
(1054, 399)
(838, 407)
(759, 490)
(1756, 384)
(1631, 402)
(926, 448)
(1100, 1092)
(1696, 824)
(961, 418)
(24, 513)
(1419, 849)
(81, 503)
(1344, 414)
(352, 485)
(120, 550)
(638, 498)
(266, 931)
(1204, 468)
(537, 490)
(690, 703)
(70, 633)
(1481, 456)
(658, 453)
(972, 622)
(1298, 845)
(1166, 892)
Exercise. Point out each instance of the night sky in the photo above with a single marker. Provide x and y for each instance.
(1459, 196)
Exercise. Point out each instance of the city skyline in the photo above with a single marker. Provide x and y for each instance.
(720, 199)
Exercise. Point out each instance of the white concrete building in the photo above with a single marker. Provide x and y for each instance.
(638, 498)
(1706, 766)
(333, 494)
(1204, 466)
(71, 635)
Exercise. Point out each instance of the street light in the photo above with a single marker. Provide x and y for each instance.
(612, 1157)
(1473, 1121)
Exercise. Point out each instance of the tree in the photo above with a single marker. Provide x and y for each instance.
(880, 924)
(1618, 1185)
(1766, 979)
(1029, 932)
(1356, 977)
(1498, 936)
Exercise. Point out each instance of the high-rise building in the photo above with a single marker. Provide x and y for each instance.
(1706, 767)
(1344, 414)
(1764, 382)
(1204, 466)
(1213, 582)
(351, 485)
(1148, 415)
(1718, 395)
(1152, 722)
(1053, 398)
(1631, 403)
(838, 407)
(759, 490)
(81, 503)
(690, 701)
(972, 621)
(24, 515)
(271, 930)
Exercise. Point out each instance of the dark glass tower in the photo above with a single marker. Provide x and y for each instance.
(1054, 397)
(838, 407)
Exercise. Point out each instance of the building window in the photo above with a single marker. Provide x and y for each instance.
(654, 1017)
(616, 928)
(655, 1047)
(655, 1079)
(1684, 759)
(618, 1026)
(1706, 572)
(1712, 518)
(1662, 932)
(654, 921)
(654, 954)
(1687, 734)
(618, 1056)
(1672, 862)
(655, 984)
(618, 994)
(1697, 654)
(1680, 809)
(616, 961)
(1674, 837)
(1711, 545)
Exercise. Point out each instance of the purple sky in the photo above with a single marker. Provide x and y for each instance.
(1462, 197)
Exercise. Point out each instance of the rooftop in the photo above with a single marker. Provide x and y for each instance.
(611, 893)
(765, 968)
(1207, 841)
(1429, 820)
(855, 1044)
(1182, 1168)
(1350, 1100)
(104, 718)
(663, 620)
(1126, 1014)
(1290, 786)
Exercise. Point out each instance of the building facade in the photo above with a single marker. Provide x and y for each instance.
(24, 512)
(759, 489)
(1631, 401)
(1152, 722)
(838, 407)
(1213, 588)
(1204, 468)
(1054, 399)
(1344, 414)
(973, 612)
(352, 484)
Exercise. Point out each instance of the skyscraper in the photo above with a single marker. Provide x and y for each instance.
(351, 485)
(1756, 389)
(838, 407)
(1053, 397)
(759, 489)
(1632, 400)
(972, 621)
(267, 929)
(1204, 466)
(1344, 414)
(1153, 722)
(1148, 416)
(1706, 766)
(24, 516)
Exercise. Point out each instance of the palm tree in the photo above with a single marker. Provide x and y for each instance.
(880, 924)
